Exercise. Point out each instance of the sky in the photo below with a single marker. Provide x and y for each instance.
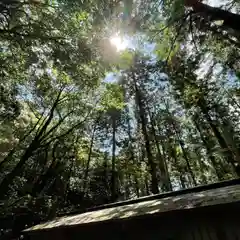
(216, 3)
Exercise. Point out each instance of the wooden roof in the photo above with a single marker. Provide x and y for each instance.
(190, 200)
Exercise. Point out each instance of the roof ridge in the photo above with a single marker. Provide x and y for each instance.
(223, 193)
(160, 196)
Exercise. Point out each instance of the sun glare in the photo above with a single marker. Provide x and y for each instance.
(118, 43)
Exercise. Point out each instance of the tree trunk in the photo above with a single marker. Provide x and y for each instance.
(46, 179)
(146, 186)
(136, 186)
(38, 169)
(209, 152)
(151, 162)
(229, 133)
(181, 176)
(106, 173)
(201, 166)
(127, 183)
(227, 152)
(8, 180)
(185, 155)
(187, 161)
(13, 150)
(231, 20)
(114, 177)
(85, 179)
(164, 174)
(68, 181)
(132, 153)
(34, 145)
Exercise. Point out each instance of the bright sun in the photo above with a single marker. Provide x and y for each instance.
(118, 43)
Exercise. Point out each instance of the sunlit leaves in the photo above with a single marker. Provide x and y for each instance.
(126, 60)
(112, 97)
(167, 45)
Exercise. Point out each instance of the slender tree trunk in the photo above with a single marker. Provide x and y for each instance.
(36, 172)
(151, 162)
(166, 182)
(209, 152)
(41, 180)
(187, 161)
(134, 160)
(52, 212)
(185, 155)
(198, 157)
(85, 179)
(230, 135)
(180, 170)
(4, 186)
(46, 179)
(172, 155)
(114, 177)
(127, 183)
(106, 173)
(182, 145)
(201, 166)
(68, 181)
(136, 186)
(227, 152)
(164, 152)
(146, 186)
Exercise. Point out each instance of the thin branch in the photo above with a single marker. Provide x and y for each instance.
(170, 23)
(50, 116)
(68, 131)
(31, 108)
(57, 125)
(175, 39)
(191, 30)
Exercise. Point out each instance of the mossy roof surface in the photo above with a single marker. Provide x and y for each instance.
(211, 197)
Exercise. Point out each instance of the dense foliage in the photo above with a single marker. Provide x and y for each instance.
(84, 124)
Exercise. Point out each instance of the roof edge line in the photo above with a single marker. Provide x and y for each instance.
(161, 195)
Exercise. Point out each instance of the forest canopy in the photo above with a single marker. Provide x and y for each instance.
(109, 100)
